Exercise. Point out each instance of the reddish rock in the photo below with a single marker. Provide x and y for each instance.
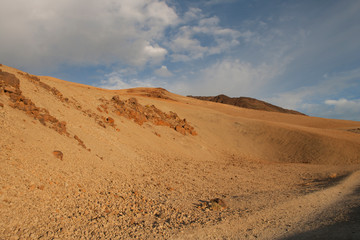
(9, 79)
(217, 204)
(30, 77)
(45, 86)
(160, 122)
(110, 120)
(9, 89)
(193, 132)
(81, 143)
(158, 93)
(56, 92)
(101, 124)
(11, 86)
(60, 127)
(58, 154)
(118, 101)
(132, 101)
(180, 129)
(140, 114)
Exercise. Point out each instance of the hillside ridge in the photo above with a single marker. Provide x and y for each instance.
(247, 102)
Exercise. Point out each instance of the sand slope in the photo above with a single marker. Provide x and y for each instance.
(146, 163)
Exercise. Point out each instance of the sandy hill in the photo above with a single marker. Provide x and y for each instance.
(82, 162)
(246, 102)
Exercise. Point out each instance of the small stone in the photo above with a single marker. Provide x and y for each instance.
(217, 204)
(110, 120)
(333, 175)
(58, 154)
(180, 129)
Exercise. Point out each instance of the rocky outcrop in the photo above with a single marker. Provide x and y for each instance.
(10, 85)
(151, 92)
(355, 130)
(36, 80)
(132, 109)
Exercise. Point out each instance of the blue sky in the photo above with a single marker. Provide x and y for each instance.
(302, 55)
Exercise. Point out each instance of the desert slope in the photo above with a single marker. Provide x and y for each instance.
(146, 163)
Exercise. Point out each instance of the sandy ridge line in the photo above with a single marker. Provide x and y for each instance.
(283, 220)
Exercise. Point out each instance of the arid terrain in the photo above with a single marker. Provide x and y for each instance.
(79, 162)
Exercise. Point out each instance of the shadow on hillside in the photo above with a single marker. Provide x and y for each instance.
(314, 185)
(349, 229)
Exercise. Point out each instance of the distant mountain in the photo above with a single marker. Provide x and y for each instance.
(246, 102)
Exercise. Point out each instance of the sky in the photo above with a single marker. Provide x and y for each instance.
(302, 55)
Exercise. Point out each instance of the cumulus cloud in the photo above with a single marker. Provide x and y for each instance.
(39, 35)
(163, 72)
(349, 109)
(42, 33)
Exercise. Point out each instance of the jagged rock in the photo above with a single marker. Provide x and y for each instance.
(132, 109)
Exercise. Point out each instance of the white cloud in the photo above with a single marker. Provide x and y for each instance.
(229, 76)
(153, 54)
(232, 77)
(192, 14)
(163, 72)
(316, 99)
(186, 46)
(118, 80)
(341, 109)
(42, 33)
(345, 104)
(325, 88)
